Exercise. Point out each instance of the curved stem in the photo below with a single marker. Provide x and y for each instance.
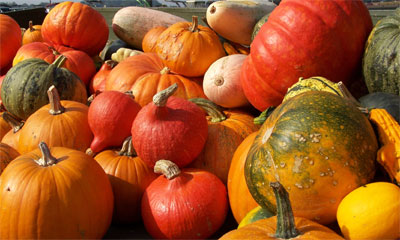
(47, 159)
(169, 169)
(213, 110)
(55, 103)
(195, 24)
(127, 148)
(286, 228)
(263, 116)
(13, 121)
(31, 26)
(165, 70)
(60, 60)
(161, 98)
(346, 93)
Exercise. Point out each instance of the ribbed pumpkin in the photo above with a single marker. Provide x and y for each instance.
(378, 201)
(10, 41)
(98, 82)
(183, 204)
(169, 128)
(221, 82)
(149, 42)
(145, 75)
(32, 34)
(110, 118)
(305, 38)
(282, 226)
(188, 48)
(4, 126)
(129, 177)
(381, 56)
(226, 130)
(77, 61)
(7, 154)
(11, 137)
(57, 193)
(320, 147)
(60, 123)
(240, 199)
(24, 88)
(76, 25)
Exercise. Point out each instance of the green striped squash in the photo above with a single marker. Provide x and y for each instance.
(24, 88)
(381, 61)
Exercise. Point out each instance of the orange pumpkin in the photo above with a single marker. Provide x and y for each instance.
(32, 34)
(7, 154)
(240, 198)
(282, 226)
(54, 193)
(149, 41)
(10, 40)
(60, 123)
(11, 137)
(145, 75)
(189, 49)
(4, 126)
(226, 130)
(129, 177)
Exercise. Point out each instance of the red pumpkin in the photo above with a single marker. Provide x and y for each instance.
(76, 25)
(145, 75)
(10, 41)
(305, 38)
(187, 204)
(77, 61)
(110, 118)
(98, 82)
(169, 128)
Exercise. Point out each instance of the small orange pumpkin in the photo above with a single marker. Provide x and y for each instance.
(149, 41)
(32, 34)
(4, 126)
(11, 137)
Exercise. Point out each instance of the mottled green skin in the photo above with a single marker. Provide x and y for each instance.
(315, 126)
(381, 62)
(259, 25)
(255, 214)
(24, 88)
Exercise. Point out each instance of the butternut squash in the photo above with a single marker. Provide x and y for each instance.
(235, 19)
(130, 24)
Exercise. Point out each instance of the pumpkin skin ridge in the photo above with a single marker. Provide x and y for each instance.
(319, 163)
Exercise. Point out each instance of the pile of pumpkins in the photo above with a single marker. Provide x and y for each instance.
(286, 115)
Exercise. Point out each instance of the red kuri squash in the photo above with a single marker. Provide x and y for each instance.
(10, 41)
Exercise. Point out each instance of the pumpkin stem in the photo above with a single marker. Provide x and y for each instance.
(195, 24)
(263, 116)
(130, 94)
(346, 93)
(60, 60)
(13, 121)
(127, 148)
(213, 110)
(47, 159)
(219, 81)
(31, 26)
(165, 70)
(286, 228)
(55, 103)
(161, 98)
(169, 169)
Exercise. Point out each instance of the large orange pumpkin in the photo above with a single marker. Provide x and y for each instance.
(10, 40)
(4, 126)
(226, 130)
(59, 123)
(11, 137)
(149, 42)
(189, 49)
(305, 38)
(129, 177)
(54, 193)
(7, 154)
(145, 75)
(76, 25)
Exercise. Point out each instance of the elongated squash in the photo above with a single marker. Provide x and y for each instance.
(130, 24)
(235, 20)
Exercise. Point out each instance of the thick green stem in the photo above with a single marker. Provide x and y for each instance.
(55, 102)
(286, 228)
(169, 169)
(47, 159)
(13, 122)
(213, 110)
(60, 60)
(161, 98)
(263, 116)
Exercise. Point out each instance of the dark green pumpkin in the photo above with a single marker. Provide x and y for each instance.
(319, 146)
(111, 47)
(388, 101)
(24, 88)
(259, 25)
(381, 61)
(255, 214)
